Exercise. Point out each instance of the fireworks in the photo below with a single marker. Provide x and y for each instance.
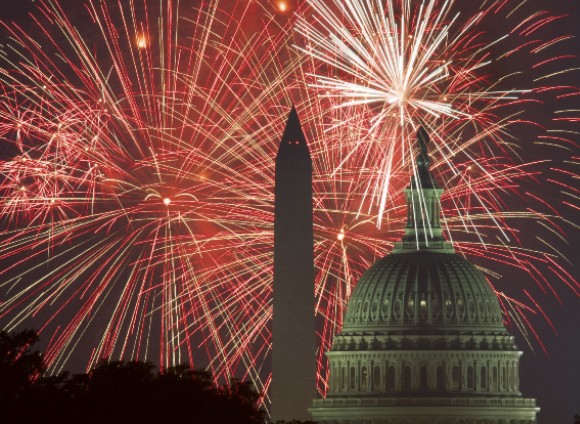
(138, 188)
(411, 64)
(137, 204)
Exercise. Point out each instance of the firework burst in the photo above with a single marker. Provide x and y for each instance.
(404, 64)
(137, 186)
(386, 68)
(137, 203)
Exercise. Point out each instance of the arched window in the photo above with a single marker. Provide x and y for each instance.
(343, 378)
(455, 376)
(391, 378)
(470, 378)
(376, 377)
(505, 377)
(364, 378)
(407, 377)
(483, 378)
(423, 309)
(352, 378)
(411, 308)
(423, 377)
(494, 379)
(440, 378)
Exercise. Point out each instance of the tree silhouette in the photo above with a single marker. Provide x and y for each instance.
(116, 392)
(19, 365)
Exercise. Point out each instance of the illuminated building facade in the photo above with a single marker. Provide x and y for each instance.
(423, 339)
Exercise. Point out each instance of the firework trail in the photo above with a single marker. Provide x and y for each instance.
(137, 201)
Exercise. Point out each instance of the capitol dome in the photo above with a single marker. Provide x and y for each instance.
(423, 339)
(426, 292)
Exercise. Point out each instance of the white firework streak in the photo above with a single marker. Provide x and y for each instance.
(397, 60)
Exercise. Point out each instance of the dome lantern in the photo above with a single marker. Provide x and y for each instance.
(423, 230)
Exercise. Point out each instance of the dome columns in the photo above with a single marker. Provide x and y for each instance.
(423, 215)
(452, 372)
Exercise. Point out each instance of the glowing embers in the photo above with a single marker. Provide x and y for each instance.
(142, 42)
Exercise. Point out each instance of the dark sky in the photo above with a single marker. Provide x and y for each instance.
(554, 379)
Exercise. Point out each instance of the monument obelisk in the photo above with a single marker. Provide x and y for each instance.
(293, 328)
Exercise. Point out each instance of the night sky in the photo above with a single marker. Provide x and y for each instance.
(554, 380)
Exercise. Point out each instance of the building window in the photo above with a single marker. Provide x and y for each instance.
(391, 378)
(423, 309)
(470, 378)
(364, 378)
(455, 376)
(440, 378)
(505, 377)
(343, 378)
(411, 308)
(398, 309)
(407, 377)
(483, 376)
(376, 377)
(352, 378)
(423, 376)
(494, 379)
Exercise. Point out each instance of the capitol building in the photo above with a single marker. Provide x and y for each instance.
(423, 340)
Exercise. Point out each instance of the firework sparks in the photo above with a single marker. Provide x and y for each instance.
(409, 64)
(137, 207)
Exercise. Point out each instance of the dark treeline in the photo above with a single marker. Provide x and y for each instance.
(116, 392)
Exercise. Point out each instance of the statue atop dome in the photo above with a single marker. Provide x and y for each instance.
(422, 175)
(423, 140)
